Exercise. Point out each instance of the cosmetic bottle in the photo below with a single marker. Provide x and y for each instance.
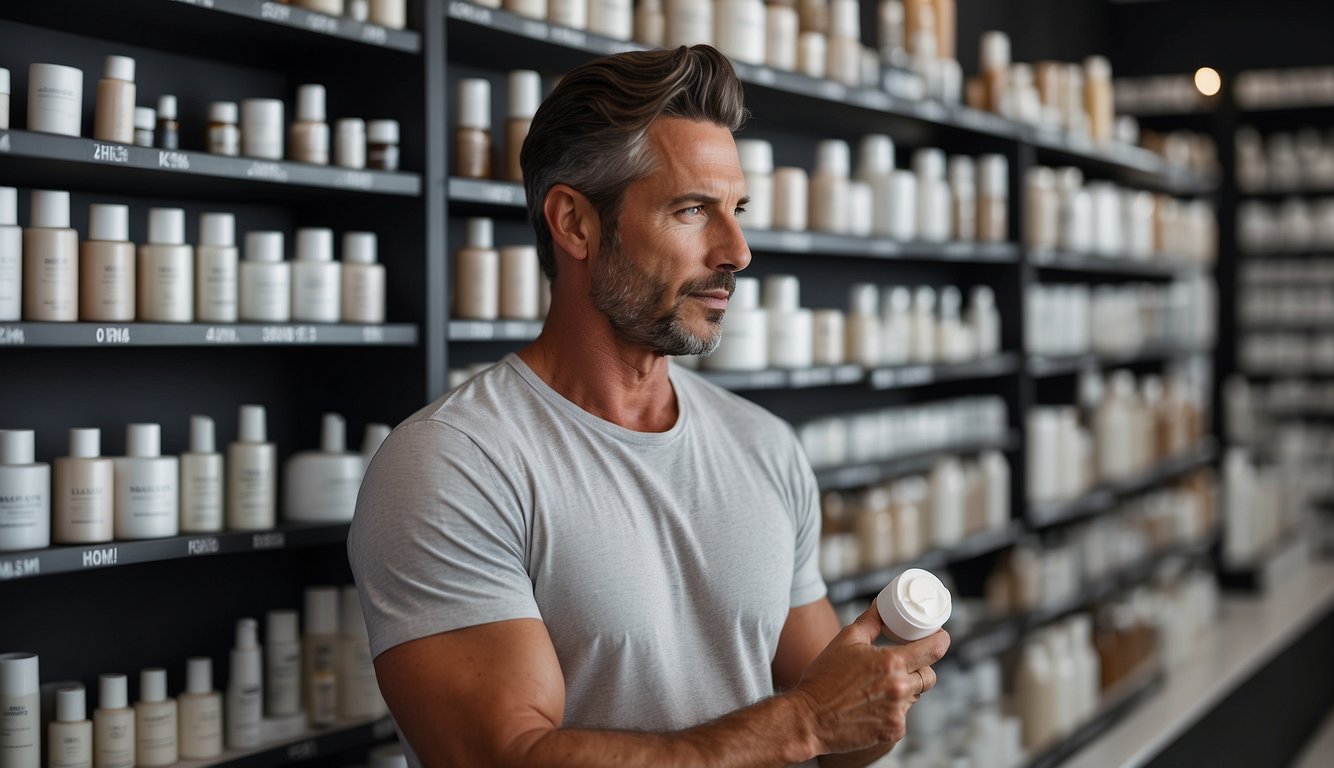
(358, 691)
(113, 724)
(146, 487)
(25, 493)
(114, 118)
(963, 194)
(4, 99)
(252, 471)
(533, 9)
(829, 188)
(780, 38)
(472, 158)
(382, 145)
(1041, 209)
(650, 23)
(282, 664)
(50, 260)
(168, 129)
(994, 62)
(915, 605)
(860, 205)
(995, 470)
(145, 119)
(320, 656)
(863, 326)
(525, 93)
(902, 221)
(909, 501)
(568, 13)
(933, 209)
(790, 326)
(316, 278)
(11, 256)
(984, 320)
(216, 269)
(875, 167)
(922, 342)
(389, 13)
(757, 164)
(745, 340)
(350, 143)
(687, 22)
(896, 327)
(321, 486)
(954, 340)
(947, 489)
(200, 721)
(812, 54)
(827, 337)
(1098, 98)
(1035, 695)
(245, 689)
(843, 58)
(155, 721)
(330, 7)
(363, 299)
(84, 491)
(262, 128)
(993, 190)
(791, 191)
(107, 266)
(266, 294)
(520, 285)
(201, 480)
(738, 30)
(223, 136)
(873, 528)
(70, 735)
(166, 270)
(477, 274)
(55, 100)
(611, 18)
(20, 701)
(309, 139)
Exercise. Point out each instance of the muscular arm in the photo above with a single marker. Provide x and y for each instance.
(494, 695)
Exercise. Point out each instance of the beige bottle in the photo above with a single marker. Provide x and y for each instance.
(114, 120)
(477, 274)
(1098, 98)
(83, 509)
(216, 266)
(252, 470)
(166, 270)
(829, 187)
(50, 260)
(154, 721)
(106, 266)
(525, 92)
(69, 741)
(113, 724)
(472, 157)
(310, 133)
(363, 279)
(200, 721)
(320, 656)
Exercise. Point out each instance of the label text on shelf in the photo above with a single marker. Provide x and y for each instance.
(372, 334)
(571, 37)
(110, 335)
(20, 567)
(4, 142)
(288, 334)
(110, 153)
(218, 335)
(534, 29)
(321, 23)
(272, 540)
(354, 180)
(470, 12)
(275, 11)
(11, 337)
(372, 33)
(270, 171)
(96, 558)
(503, 194)
(303, 750)
(205, 546)
(176, 161)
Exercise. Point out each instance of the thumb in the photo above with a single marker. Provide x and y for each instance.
(865, 629)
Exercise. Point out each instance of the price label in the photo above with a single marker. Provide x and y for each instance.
(208, 545)
(268, 171)
(354, 180)
(11, 337)
(112, 335)
(288, 334)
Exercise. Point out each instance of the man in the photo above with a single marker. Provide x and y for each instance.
(585, 556)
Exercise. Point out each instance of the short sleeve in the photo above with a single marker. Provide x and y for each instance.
(438, 541)
(807, 583)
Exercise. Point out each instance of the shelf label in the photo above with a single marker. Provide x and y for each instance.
(502, 194)
(272, 540)
(470, 12)
(318, 22)
(220, 335)
(534, 29)
(871, 99)
(354, 180)
(371, 33)
(12, 337)
(813, 377)
(275, 11)
(111, 153)
(372, 334)
(269, 171)
(20, 567)
(97, 558)
(112, 335)
(303, 750)
(200, 3)
(288, 334)
(474, 330)
(175, 161)
(571, 37)
(205, 546)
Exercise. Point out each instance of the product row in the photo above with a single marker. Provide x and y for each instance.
(887, 433)
(56, 102)
(899, 521)
(1294, 87)
(1062, 212)
(1298, 305)
(1262, 506)
(1251, 408)
(1123, 319)
(1285, 272)
(1284, 162)
(274, 693)
(1293, 353)
(1296, 224)
(1116, 432)
(490, 283)
(145, 495)
(47, 275)
(392, 14)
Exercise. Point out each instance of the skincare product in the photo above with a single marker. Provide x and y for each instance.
(200, 706)
(245, 690)
(50, 260)
(147, 488)
(70, 736)
(84, 492)
(266, 280)
(11, 257)
(687, 22)
(4, 99)
(319, 655)
(262, 128)
(20, 712)
(915, 605)
(316, 278)
(757, 164)
(745, 342)
(472, 157)
(363, 299)
(55, 100)
(568, 13)
(310, 133)
(252, 471)
(168, 129)
(389, 13)
(216, 265)
(739, 29)
(25, 493)
(223, 136)
(321, 486)
(791, 191)
(145, 119)
(477, 274)
(525, 93)
(350, 143)
(358, 692)
(520, 284)
(829, 188)
(282, 664)
(201, 480)
(166, 270)
(155, 732)
(107, 266)
(382, 145)
(611, 18)
(113, 724)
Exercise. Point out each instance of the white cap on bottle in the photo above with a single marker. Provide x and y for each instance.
(113, 691)
(314, 244)
(382, 131)
(350, 127)
(480, 233)
(264, 246)
(260, 115)
(475, 103)
(833, 156)
(247, 634)
(153, 684)
(143, 441)
(217, 229)
(166, 226)
(877, 155)
(864, 299)
(747, 293)
(351, 623)
(71, 704)
(333, 434)
(280, 627)
(18, 674)
(845, 20)
(995, 50)
(199, 675)
(373, 438)
(757, 156)
(962, 173)
(253, 428)
(85, 443)
(782, 293)
(359, 247)
(201, 434)
(119, 68)
(145, 118)
(310, 103)
(17, 446)
(1097, 68)
(166, 107)
(222, 112)
(109, 222)
(9, 207)
(525, 87)
(50, 209)
(246, 660)
(322, 610)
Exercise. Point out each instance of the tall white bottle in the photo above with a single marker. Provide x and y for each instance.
(321, 486)
(245, 688)
(358, 691)
(166, 270)
(200, 720)
(113, 724)
(20, 711)
(216, 267)
(316, 278)
(50, 260)
(252, 475)
(320, 656)
(282, 664)
(147, 489)
(84, 505)
(70, 736)
(11, 257)
(25, 493)
(155, 721)
(266, 280)
(201, 480)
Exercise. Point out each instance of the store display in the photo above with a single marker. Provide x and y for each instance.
(50, 260)
(113, 724)
(262, 128)
(309, 140)
(55, 99)
(252, 474)
(245, 689)
(319, 655)
(201, 480)
(168, 132)
(146, 485)
(265, 280)
(84, 491)
(155, 722)
(25, 493)
(107, 272)
(200, 712)
(316, 278)
(166, 270)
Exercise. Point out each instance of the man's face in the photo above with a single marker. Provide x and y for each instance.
(664, 275)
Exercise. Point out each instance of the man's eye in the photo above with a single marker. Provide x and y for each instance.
(738, 211)
(693, 210)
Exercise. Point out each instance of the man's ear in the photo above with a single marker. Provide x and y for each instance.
(572, 220)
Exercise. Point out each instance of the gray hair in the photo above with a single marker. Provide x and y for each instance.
(590, 133)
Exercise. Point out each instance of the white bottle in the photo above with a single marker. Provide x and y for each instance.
(520, 283)
(688, 22)
(827, 337)
(1034, 695)
(829, 188)
(262, 128)
(533, 9)
(216, 269)
(363, 299)
(200, 721)
(201, 480)
(996, 482)
(252, 474)
(962, 176)
(11, 257)
(612, 18)
(320, 656)
(350, 143)
(147, 490)
(477, 274)
(166, 270)
(70, 735)
(791, 192)
(954, 341)
(863, 326)
(875, 167)
(1065, 683)
(947, 518)
(358, 691)
(650, 23)
(896, 326)
(50, 260)
(922, 344)
(843, 61)
(266, 280)
(757, 165)
(107, 266)
(902, 222)
(20, 711)
(84, 504)
(321, 486)
(316, 278)
(25, 493)
(309, 142)
(113, 724)
(569, 13)
(780, 37)
(984, 319)
(282, 664)
(739, 29)
(245, 688)
(154, 721)
(745, 341)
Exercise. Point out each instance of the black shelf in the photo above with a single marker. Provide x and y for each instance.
(494, 330)
(86, 557)
(538, 31)
(502, 194)
(43, 160)
(1043, 366)
(905, 376)
(281, 14)
(205, 335)
(772, 378)
(309, 746)
(810, 243)
(1089, 264)
(859, 475)
(1134, 165)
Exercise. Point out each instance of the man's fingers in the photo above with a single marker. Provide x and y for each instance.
(928, 676)
(866, 628)
(928, 650)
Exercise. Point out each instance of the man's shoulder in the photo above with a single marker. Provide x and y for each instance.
(474, 404)
(730, 407)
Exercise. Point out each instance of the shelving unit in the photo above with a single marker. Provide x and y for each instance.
(197, 334)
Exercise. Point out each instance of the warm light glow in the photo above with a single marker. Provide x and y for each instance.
(1207, 81)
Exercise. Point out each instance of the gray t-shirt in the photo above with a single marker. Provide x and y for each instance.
(663, 564)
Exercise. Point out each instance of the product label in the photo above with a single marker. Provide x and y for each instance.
(88, 506)
(174, 161)
(21, 510)
(12, 337)
(111, 153)
(96, 558)
(206, 546)
(20, 567)
(111, 335)
(282, 676)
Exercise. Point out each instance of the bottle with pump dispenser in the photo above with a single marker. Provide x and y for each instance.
(251, 474)
(20, 700)
(147, 489)
(107, 266)
(113, 724)
(245, 689)
(525, 93)
(266, 280)
(50, 260)
(321, 486)
(472, 157)
(320, 655)
(216, 269)
(316, 277)
(166, 270)
(84, 492)
(201, 480)
(477, 274)
(282, 665)
(363, 299)
(70, 735)
(155, 729)
(11, 257)
(200, 706)
(114, 118)
(25, 493)
(358, 692)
